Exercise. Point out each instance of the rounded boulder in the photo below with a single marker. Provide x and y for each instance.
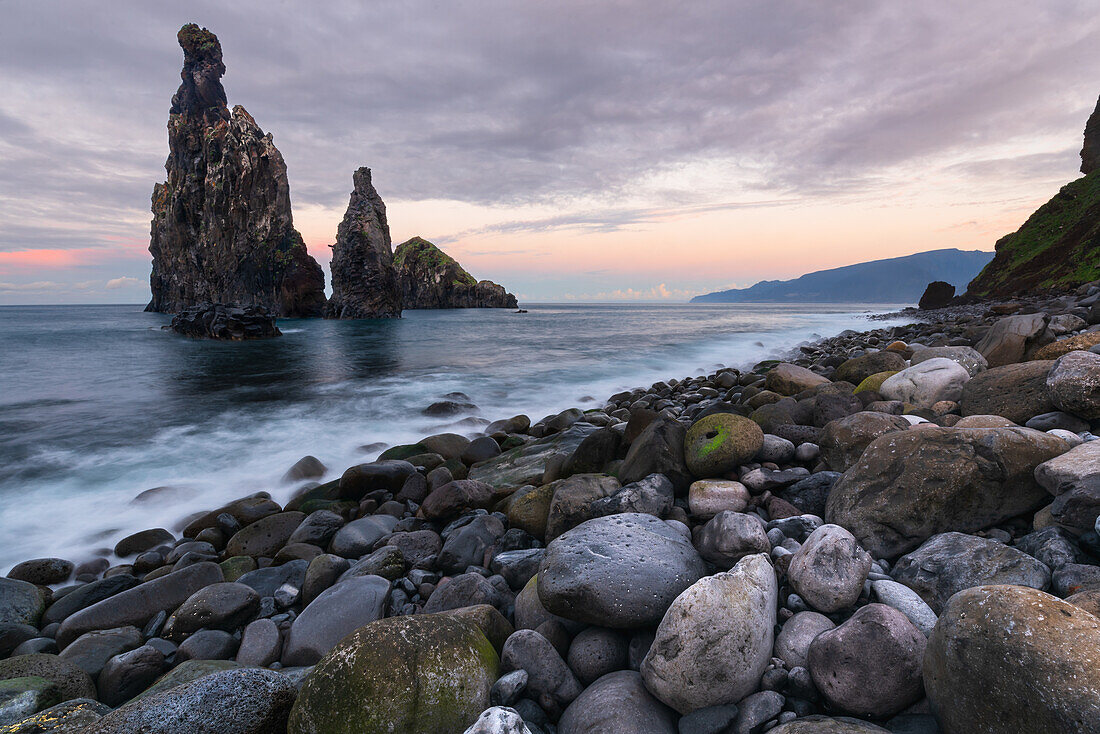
(619, 571)
(1010, 658)
(720, 442)
(871, 664)
(420, 674)
(716, 639)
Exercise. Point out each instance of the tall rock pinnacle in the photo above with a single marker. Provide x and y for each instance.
(364, 285)
(1090, 152)
(222, 228)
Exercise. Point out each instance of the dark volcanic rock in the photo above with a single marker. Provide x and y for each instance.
(1090, 151)
(364, 285)
(222, 228)
(216, 321)
(429, 278)
(937, 295)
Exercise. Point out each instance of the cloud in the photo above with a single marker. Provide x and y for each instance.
(659, 292)
(123, 282)
(611, 117)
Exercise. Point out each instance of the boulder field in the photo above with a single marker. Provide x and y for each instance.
(890, 531)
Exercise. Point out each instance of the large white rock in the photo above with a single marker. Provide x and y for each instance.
(499, 720)
(969, 357)
(716, 639)
(927, 382)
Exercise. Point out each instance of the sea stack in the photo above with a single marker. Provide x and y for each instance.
(364, 285)
(430, 278)
(222, 228)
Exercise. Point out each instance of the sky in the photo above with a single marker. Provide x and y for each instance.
(568, 150)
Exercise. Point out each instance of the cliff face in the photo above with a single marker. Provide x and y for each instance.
(1057, 247)
(364, 284)
(222, 228)
(1090, 151)
(429, 278)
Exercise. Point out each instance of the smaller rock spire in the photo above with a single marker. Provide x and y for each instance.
(364, 285)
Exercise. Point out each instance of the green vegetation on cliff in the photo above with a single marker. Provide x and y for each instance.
(1057, 247)
(418, 253)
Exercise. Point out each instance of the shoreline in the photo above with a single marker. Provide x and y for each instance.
(360, 411)
(745, 468)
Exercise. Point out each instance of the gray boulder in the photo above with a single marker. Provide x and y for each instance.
(21, 602)
(730, 536)
(926, 383)
(338, 611)
(914, 484)
(619, 571)
(829, 569)
(549, 679)
(716, 639)
(792, 645)
(946, 564)
(358, 537)
(617, 703)
(1074, 384)
(138, 605)
(871, 664)
(1015, 338)
(91, 651)
(653, 496)
(572, 498)
(1062, 471)
(224, 606)
(659, 449)
(245, 701)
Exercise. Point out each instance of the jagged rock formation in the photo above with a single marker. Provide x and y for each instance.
(1058, 247)
(222, 229)
(364, 285)
(216, 321)
(1090, 151)
(430, 278)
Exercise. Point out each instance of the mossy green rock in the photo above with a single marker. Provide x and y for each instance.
(236, 566)
(23, 697)
(720, 442)
(71, 680)
(874, 382)
(858, 369)
(403, 451)
(423, 674)
(529, 509)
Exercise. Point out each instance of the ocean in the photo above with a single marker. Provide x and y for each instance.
(98, 403)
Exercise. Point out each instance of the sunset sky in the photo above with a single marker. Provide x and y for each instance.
(568, 150)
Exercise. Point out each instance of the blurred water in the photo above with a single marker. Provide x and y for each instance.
(97, 403)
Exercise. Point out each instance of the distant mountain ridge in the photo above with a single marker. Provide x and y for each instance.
(892, 280)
